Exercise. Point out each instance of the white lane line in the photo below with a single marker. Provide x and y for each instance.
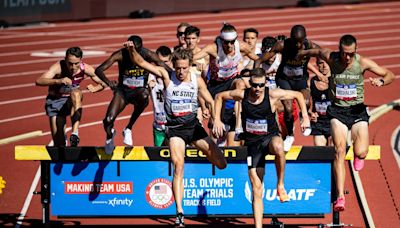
(371, 32)
(256, 20)
(28, 198)
(338, 9)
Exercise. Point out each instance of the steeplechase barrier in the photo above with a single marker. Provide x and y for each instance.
(137, 182)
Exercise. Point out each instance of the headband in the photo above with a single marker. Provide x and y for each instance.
(228, 35)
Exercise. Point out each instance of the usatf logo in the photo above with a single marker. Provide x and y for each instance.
(159, 193)
(271, 194)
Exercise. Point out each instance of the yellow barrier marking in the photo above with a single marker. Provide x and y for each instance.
(20, 137)
(31, 153)
(374, 153)
(2, 184)
(138, 153)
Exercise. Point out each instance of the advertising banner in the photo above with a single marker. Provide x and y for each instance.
(144, 188)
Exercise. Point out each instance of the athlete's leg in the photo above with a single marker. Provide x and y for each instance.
(177, 149)
(57, 124)
(212, 151)
(76, 112)
(256, 176)
(359, 135)
(320, 140)
(339, 137)
(114, 109)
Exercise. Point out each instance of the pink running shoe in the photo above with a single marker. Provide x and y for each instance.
(358, 164)
(338, 205)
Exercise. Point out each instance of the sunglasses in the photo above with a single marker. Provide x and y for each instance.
(226, 42)
(350, 54)
(255, 85)
(179, 34)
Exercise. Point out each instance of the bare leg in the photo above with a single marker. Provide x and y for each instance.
(339, 136)
(76, 112)
(114, 109)
(256, 178)
(57, 124)
(212, 151)
(276, 148)
(177, 147)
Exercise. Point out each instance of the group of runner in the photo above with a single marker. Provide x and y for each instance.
(249, 96)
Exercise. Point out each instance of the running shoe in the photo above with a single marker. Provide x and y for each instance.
(283, 197)
(358, 163)
(288, 142)
(127, 133)
(179, 222)
(109, 147)
(338, 205)
(74, 140)
(238, 134)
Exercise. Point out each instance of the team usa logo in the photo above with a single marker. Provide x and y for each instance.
(159, 193)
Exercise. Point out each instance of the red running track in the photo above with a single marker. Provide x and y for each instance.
(375, 25)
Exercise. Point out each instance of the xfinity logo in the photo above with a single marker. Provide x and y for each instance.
(120, 202)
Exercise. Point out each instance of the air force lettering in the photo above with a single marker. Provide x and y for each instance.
(181, 100)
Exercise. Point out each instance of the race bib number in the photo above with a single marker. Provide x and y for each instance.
(271, 83)
(133, 82)
(181, 107)
(293, 71)
(321, 107)
(346, 92)
(258, 127)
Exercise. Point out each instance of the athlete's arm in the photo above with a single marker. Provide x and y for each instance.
(89, 71)
(385, 76)
(280, 94)
(151, 56)
(237, 95)
(210, 49)
(48, 77)
(116, 56)
(138, 60)
(278, 47)
(246, 50)
(322, 53)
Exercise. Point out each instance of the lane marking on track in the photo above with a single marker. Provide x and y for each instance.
(20, 137)
(28, 198)
(62, 53)
(257, 20)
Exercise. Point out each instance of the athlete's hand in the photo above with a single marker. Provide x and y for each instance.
(66, 81)
(322, 77)
(206, 113)
(377, 81)
(305, 123)
(129, 45)
(218, 129)
(94, 89)
(313, 116)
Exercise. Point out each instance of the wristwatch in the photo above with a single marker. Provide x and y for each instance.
(383, 81)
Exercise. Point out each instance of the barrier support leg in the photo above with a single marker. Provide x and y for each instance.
(335, 214)
(45, 192)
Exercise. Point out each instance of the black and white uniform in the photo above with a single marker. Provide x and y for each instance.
(292, 73)
(181, 109)
(320, 105)
(132, 80)
(259, 126)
